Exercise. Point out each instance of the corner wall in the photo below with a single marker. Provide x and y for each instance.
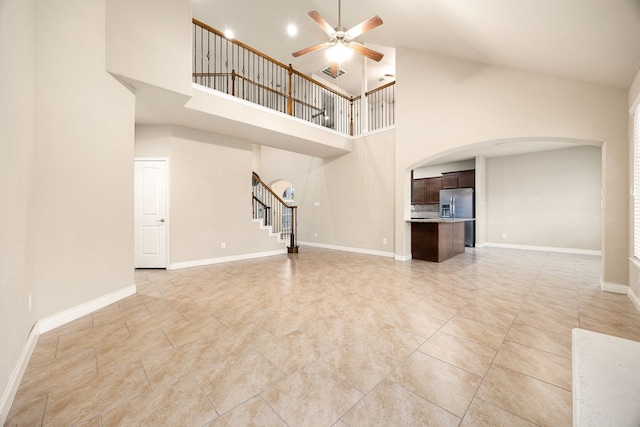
(67, 173)
(17, 141)
(82, 217)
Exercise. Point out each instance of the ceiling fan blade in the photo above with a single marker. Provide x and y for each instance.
(310, 49)
(365, 51)
(363, 27)
(321, 22)
(335, 68)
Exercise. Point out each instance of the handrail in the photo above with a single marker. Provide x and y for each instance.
(239, 43)
(257, 178)
(275, 212)
(378, 89)
(268, 58)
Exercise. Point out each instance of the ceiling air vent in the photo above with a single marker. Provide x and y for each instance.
(327, 72)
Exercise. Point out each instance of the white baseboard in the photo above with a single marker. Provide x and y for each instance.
(52, 322)
(349, 249)
(634, 299)
(542, 248)
(16, 376)
(210, 261)
(45, 325)
(403, 257)
(615, 288)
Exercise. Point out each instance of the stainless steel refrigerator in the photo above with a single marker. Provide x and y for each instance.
(458, 203)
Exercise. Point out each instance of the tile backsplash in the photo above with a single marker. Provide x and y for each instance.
(425, 211)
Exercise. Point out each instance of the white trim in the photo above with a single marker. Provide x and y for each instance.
(349, 249)
(45, 325)
(167, 198)
(615, 288)
(52, 322)
(634, 299)
(210, 261)
(16, 376)
(403, 257)
(543, 248)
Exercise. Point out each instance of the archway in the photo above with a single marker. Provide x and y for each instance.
(492, 156)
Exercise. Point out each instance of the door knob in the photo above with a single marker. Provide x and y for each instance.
(161, 220)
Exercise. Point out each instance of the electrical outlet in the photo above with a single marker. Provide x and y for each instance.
(384, 241)
(504, 235)
(223, 245)
(316, 203)
(315, 234)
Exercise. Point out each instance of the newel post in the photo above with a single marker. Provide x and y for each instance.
(290, 91)
(293, 247)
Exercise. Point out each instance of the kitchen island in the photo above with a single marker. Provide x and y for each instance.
(437, 239)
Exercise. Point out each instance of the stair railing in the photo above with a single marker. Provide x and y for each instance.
(275, 213)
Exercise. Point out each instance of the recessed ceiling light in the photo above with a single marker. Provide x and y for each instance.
(228, 34)
(292, 30)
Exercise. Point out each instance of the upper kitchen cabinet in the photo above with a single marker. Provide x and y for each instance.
(467, 179)
(434, 185)
(426, 191)
(460, 179)
(419, 191)
(450, 180)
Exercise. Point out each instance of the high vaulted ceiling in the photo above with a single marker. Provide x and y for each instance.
(595, 41)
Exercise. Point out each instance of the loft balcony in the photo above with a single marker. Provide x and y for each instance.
(236, 69)
(235, 90)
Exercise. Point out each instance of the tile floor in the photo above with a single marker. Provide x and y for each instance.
(329, 338)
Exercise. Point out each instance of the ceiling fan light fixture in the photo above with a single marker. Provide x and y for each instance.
(339, 53)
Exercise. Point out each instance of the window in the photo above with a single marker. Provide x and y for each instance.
(636, 183)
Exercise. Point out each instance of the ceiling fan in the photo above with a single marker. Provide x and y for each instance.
(341, 40)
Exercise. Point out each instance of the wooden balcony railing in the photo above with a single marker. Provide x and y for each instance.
(236, 69)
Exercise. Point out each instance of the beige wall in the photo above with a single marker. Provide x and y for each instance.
(443, 103)
(548, 199)
(634, 268)
(17, 140)
(83, 172)
(69, 141)
(355, 192)
(154, 48)
(210, 193)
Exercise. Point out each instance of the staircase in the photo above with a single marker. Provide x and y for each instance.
(274, 213)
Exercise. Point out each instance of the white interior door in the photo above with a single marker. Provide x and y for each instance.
(150, 221)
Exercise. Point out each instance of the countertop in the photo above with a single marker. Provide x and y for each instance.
(438, 220)
(606, 380)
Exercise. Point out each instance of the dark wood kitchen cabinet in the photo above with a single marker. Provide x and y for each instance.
(450, 180)
(460, 179)
(419, 191)
(467, 179)
(436, 241)
(433, 187)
